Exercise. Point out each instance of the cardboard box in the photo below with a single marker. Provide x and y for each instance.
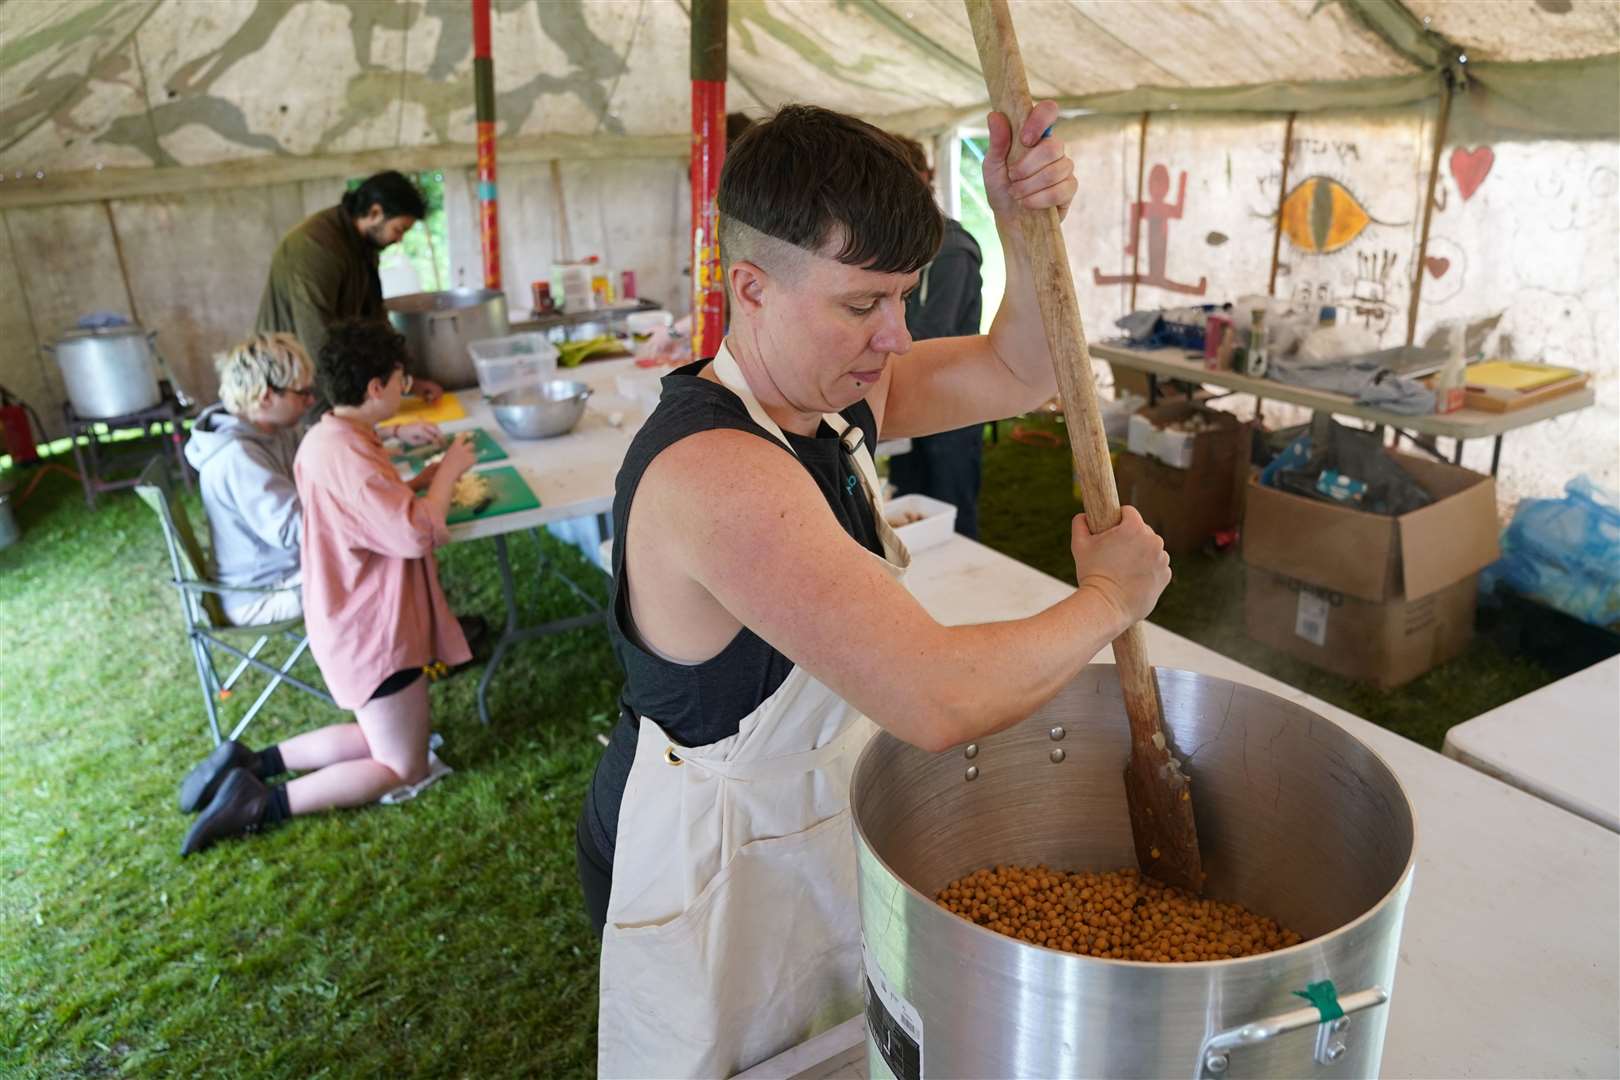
(1375, 557)
(1150, 435)
(1186, 506)
(1385, 644)
(1367, 596)
(1129, 381)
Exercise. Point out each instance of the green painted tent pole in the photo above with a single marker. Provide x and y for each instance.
(484, 96)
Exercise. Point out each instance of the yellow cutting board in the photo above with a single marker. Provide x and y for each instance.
(416, 411)
(1509, 375)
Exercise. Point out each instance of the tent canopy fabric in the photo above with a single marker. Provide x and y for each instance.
(89, 84)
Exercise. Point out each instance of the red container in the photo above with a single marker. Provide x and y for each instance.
(543, 303)
(627, 285)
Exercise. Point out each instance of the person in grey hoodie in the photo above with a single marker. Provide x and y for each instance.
(243, 449)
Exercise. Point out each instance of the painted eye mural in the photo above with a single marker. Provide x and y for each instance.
(1321, 215)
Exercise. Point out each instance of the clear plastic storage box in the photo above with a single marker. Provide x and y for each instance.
(506, 363)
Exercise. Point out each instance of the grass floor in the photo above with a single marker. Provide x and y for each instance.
(441, 937)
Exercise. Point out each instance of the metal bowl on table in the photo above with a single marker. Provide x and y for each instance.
(544, 411)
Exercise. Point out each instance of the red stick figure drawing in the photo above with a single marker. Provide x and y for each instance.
(1158, 214)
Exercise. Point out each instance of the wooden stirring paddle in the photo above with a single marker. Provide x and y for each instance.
(1155, 787)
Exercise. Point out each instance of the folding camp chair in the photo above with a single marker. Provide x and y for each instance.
(207, 628)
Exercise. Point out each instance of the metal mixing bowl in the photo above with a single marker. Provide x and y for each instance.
(541, 412)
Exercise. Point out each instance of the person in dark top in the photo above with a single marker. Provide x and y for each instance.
(947, 302)
(756, 604)
(325, 270)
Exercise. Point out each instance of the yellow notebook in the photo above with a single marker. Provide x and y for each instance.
(1511, 375)
(416, 411)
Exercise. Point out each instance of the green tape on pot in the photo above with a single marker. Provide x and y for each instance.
(1324, 997)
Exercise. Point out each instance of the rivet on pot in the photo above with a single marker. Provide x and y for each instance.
(972, 772)
(1057, 733)
(1340, 1024)
(1056, 755)
(971, 752)
(1215, 1063)
(1335, 1052)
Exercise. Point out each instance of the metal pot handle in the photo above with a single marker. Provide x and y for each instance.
(1215, 1057)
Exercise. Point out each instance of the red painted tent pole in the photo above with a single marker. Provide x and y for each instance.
(484, 91)
(708, 154)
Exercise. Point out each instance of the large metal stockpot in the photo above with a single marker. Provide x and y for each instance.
(438, 327)
(108, 372)
(1297, 820)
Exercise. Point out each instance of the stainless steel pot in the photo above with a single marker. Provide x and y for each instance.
(1297, 819)
(541, 412)
(438, 327)
(109, 372)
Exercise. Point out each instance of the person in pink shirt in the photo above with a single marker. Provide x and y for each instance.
(373, 607)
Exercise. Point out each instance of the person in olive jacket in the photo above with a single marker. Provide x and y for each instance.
(325, 270)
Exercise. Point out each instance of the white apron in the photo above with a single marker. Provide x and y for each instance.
(732, 927)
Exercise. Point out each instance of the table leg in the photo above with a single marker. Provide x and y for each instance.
(1496, 453)
(90, 474)
(1153, 389)
(177, 438)
(508, 632)
(1456, 453)
(513, 633)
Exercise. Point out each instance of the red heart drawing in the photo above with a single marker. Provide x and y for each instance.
(1470, 167)
(1437, 265)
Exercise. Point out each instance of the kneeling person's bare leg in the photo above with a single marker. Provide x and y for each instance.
(396, 731)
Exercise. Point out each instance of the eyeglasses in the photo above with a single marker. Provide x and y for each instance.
(307, 390)
(406, 382)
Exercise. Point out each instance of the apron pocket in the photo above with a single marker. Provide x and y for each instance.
(767, 955)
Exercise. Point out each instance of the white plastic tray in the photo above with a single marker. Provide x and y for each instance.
(937, 524)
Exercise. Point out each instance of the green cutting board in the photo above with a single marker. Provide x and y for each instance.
(486, 448)
(511, 494)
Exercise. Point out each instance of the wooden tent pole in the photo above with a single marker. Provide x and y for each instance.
(1428, 205)
(1136, 248)
(1282, 196)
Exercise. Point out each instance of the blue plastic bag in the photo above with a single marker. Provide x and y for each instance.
(1564, 553)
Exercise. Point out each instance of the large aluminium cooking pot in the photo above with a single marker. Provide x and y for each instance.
(438, 327)
(1297, 819)
(108, 372)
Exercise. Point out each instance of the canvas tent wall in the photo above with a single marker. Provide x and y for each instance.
(154, 149)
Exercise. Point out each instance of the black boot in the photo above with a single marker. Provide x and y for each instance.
(198, 788)
(237, 808)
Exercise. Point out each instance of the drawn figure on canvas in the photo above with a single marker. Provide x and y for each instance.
(1158, 214)
(1320, 216)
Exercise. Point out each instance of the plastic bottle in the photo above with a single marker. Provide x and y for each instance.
(1451, 389)
(1254, 365)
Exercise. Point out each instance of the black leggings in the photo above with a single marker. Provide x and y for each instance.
(595, 875)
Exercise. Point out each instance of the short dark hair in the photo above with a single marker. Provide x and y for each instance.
(736, 124)
(355, 352)
(390, 190)
(914, 153)
(808, 174)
